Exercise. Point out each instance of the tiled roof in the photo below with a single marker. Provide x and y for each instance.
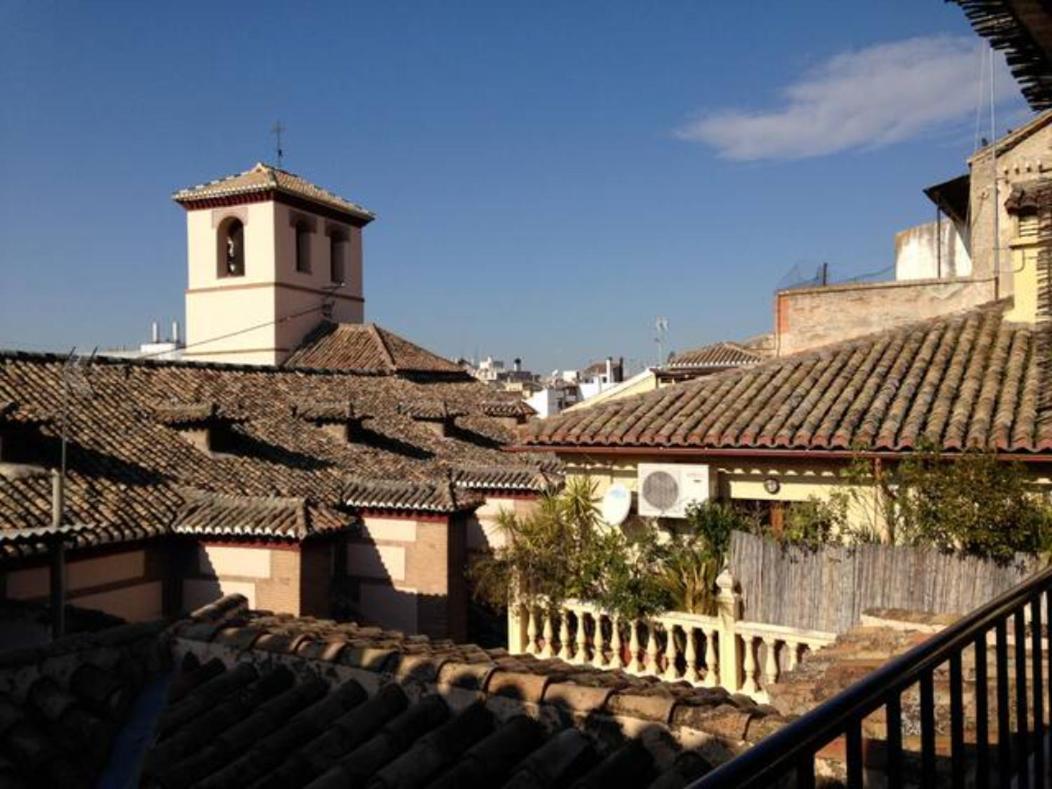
(507, 478)
(62, 705)
(129, 471)
(429, 410)
(264, 179)
(367, 348)
(966, 380)
(217, 514)
(416, 496)
(719, 355)
(509, 408)
(278, 701)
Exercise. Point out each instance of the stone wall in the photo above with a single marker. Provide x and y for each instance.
(813, 317)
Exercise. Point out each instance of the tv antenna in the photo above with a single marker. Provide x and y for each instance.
(660, 337)
(277, 130)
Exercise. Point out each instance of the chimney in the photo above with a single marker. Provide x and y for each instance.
(518, 365)
(155, 333)
(175, 332)
(338, 419)
(609, 369)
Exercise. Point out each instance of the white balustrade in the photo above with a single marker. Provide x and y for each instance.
(708, 651)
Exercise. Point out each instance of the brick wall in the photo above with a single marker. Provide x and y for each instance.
(812, 317)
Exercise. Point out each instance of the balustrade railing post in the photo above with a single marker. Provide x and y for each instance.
(749, 669)
(598, 643)
(770, 662)
(615, 642)
(635, 662)
(671, 673)
(531, 630)
(548, 634)
(564, 634)
(516, 629)
(690, 657)
(581, 653)
(728, 604)
(712, 665)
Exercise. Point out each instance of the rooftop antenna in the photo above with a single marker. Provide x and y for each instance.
(661, 329)
(277, 130)
(74, 381)
(993, 185)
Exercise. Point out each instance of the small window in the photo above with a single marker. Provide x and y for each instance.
(1028, 226)
(231, 249)
(337, 257)
(302, 247)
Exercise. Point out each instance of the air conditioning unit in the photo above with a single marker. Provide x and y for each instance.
(666, 489)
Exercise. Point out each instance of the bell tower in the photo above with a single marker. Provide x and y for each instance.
(269, 256)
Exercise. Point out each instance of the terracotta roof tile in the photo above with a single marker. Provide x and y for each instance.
(718, 355)
(130, 470)
(966, 380)
(368, 348)
(292, 720)
(265, 179)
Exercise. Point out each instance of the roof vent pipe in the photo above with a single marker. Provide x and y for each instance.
(155, 333)
(175, 332)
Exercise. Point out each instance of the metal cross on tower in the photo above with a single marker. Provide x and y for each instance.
(276, 131)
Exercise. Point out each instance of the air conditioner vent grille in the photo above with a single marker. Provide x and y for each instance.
(661, 490)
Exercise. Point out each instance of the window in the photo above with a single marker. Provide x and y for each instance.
(1029, 226)
(302, 246)
(337, 257)
(231, 258)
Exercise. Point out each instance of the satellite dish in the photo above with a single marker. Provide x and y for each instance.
(617, 503)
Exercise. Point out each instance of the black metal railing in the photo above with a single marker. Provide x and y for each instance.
(1006, 747)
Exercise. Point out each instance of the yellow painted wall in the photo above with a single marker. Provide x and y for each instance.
(736, 480)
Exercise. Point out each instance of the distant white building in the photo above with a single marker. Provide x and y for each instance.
(157, 348)
(567, 388)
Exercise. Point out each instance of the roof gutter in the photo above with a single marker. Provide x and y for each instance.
(759, 453)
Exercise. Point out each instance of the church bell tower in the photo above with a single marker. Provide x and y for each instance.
(269, 255)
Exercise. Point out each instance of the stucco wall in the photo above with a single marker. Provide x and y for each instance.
(736, 480)
(933, 250)
(813, 317)
(271, 286)
(126, 583)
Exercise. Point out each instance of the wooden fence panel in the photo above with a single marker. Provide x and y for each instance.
(828, 589)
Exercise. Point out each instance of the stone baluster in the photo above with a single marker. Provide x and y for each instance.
(598, 642)
(615, 642)
(690, 657)
(650, 665)
(712, 666)
(581, 652)
(635, 660)
(793, 649)
(564, 634)
(770, 662)
(548, 634)
(671, 673)
(531, 631)
(749, 686)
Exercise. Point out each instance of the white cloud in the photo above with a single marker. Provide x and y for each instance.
(864, 98)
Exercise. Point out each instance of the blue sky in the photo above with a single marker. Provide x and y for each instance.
(549, 176)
